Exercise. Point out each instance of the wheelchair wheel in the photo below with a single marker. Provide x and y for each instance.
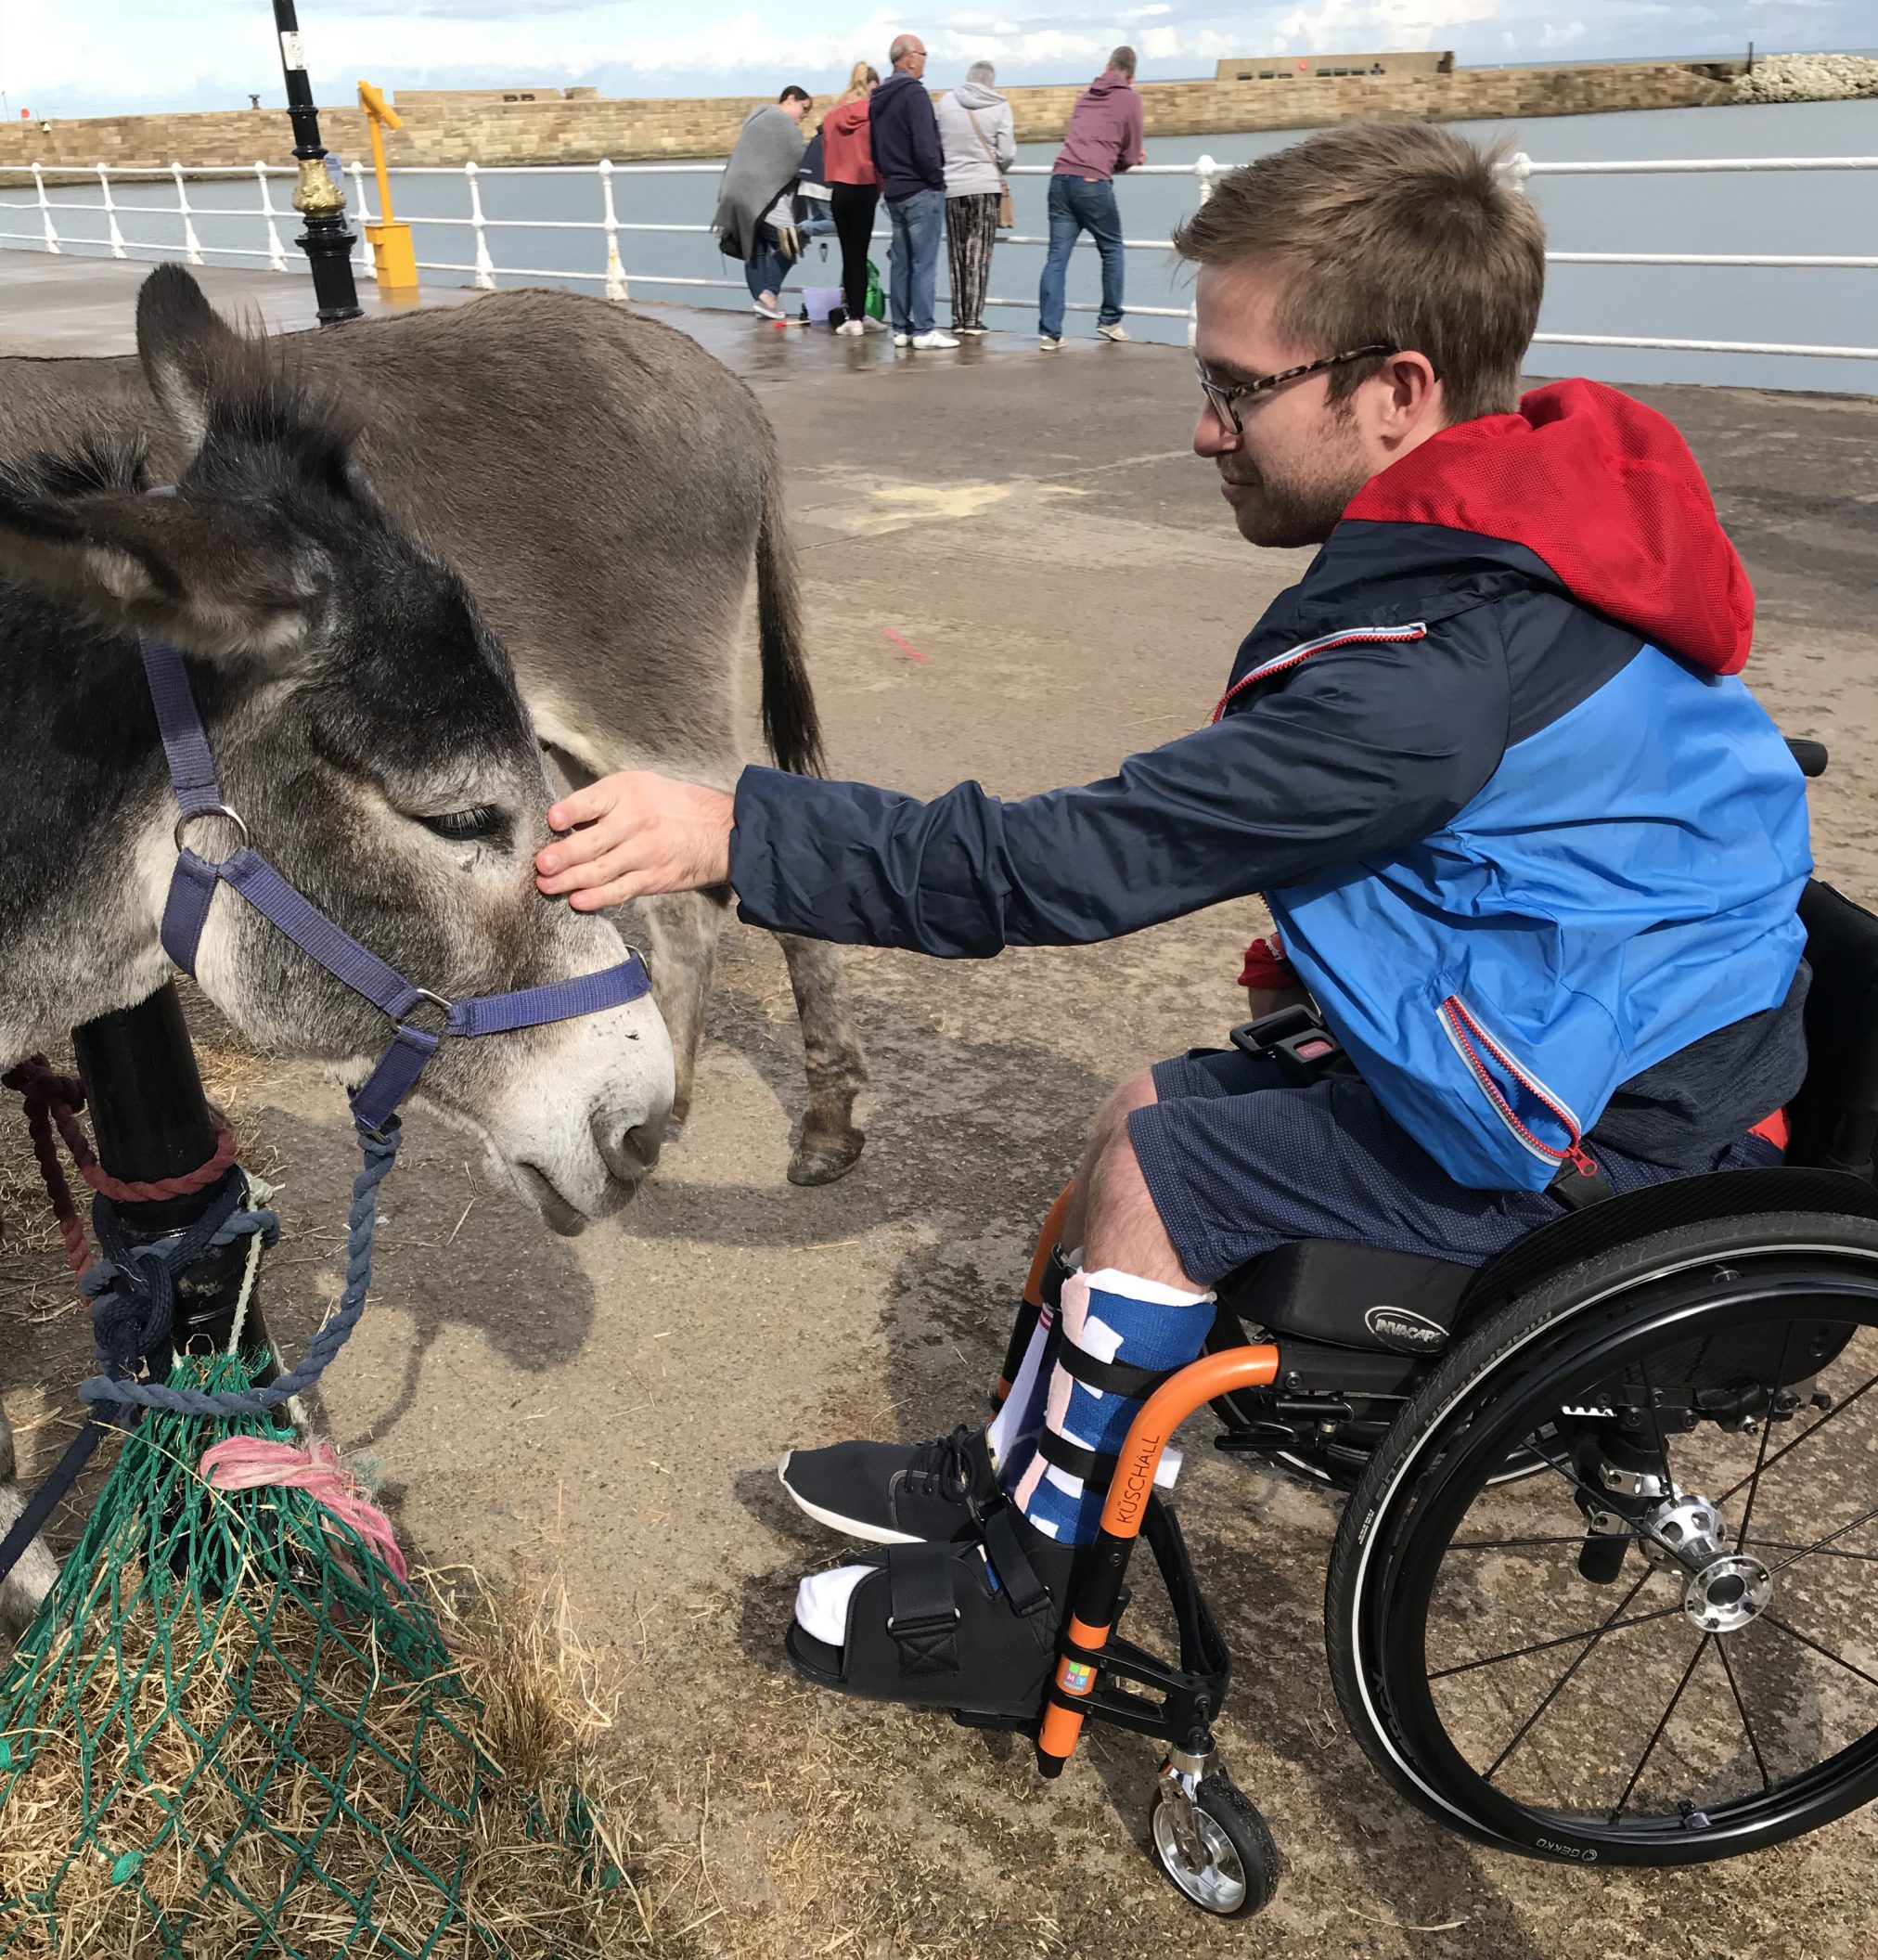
(1219, 1854)
(1663, 1648)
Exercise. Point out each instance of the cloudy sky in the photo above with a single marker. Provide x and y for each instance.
(95, 56)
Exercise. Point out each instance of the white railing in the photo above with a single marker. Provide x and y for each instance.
(484, 269)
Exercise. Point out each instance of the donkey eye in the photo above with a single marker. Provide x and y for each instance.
(484, 820)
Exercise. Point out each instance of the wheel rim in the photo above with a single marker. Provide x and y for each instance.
(1218, 1885)
(1633, 1721)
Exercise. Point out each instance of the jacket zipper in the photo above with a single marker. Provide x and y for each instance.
(1284, 662)
(1463, 1030)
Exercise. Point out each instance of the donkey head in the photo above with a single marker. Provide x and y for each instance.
(366, 727)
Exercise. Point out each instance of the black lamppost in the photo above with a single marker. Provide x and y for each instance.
(327, 240)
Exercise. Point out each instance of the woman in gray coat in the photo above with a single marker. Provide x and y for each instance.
(979, 143)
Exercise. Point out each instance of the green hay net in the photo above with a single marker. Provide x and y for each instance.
(232, 1731)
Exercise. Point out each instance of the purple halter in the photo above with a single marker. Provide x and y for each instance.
(192, 886)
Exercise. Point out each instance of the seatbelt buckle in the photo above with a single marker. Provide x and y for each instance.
(1297, 1041)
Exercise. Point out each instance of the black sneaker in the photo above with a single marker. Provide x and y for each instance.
(893, 1494)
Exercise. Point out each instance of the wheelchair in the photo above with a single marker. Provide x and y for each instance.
(1598, 1593)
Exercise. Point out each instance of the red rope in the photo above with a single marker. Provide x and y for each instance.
(53, 1098)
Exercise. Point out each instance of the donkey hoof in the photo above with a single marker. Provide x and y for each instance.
(820, 1161)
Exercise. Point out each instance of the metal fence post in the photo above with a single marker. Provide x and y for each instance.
(1516, 169)
(52, 243)
(192, 245)
(485, 265)
(117, 238)
(277, 251)
(616, 272)
(1205, 170)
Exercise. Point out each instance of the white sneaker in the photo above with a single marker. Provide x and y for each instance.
(1048, 342)
(934, 339)
(767, 309)
(870, 324)
(851, 328)
(1114, 330)
(903, 340)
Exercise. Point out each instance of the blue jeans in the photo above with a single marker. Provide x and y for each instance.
(918, 225)
(768, 265)
(1078, 206)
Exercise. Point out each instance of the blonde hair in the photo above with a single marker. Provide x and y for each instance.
(1391, 233)
(860, 79)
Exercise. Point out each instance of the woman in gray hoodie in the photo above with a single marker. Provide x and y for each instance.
(980, 144)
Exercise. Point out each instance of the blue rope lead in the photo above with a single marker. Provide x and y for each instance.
(380, 1150)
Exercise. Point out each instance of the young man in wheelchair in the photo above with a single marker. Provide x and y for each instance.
(1532, 849)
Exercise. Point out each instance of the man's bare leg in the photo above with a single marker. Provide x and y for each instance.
(1111, 1121)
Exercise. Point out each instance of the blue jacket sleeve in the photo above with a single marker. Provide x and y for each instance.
(1360, 750)
(927, 148)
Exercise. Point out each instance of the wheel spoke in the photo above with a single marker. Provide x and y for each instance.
(1603, 1501)
(1564, 1640)
(1656, 1733)
(1516, 1544)
(1787, 1448)
(1766, 1430)
(1773, 1619)
(1553, 1693)
(1824, 1549)
(1801, 1552)
(1747, 1726)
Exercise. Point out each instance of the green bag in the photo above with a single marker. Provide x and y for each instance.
(876, 299)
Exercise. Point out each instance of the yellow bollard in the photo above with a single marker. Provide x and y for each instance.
(395, 258)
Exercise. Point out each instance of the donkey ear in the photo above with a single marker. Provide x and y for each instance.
(217, 578)
(183, 344)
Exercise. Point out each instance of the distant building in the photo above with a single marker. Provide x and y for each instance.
(1289, 67)
(465, 98)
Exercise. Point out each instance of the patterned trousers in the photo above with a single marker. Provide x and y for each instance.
(970, 231)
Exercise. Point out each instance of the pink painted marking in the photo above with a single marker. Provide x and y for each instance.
(905, 646)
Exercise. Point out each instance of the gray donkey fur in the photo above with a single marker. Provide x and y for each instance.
(603, 485)
(365, 724)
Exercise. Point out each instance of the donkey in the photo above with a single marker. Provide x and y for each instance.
(365, 724)
(604, 487)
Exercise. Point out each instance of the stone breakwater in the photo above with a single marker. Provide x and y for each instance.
(1807, 78)
(563, 131)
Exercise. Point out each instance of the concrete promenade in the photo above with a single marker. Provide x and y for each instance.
(1015, 570)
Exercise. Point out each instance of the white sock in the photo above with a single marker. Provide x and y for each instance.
(821, 1601)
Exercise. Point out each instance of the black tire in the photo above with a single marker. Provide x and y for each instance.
(1702, 1284)
(1238, 1842)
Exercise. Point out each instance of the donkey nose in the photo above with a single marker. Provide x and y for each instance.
(629, 1152)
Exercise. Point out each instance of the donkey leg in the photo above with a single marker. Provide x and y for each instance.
(684, 928)
(23, 1588)
(832, 1060)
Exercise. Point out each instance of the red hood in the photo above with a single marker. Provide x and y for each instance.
(845, 118)
(1606, 492)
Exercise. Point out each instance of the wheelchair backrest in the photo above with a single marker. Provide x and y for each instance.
(1834, 1118)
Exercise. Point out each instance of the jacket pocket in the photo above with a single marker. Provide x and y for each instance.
(1542, 1122)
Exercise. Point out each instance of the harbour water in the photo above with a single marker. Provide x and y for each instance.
(1788, 212)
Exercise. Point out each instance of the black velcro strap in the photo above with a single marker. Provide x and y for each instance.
(922, 1615)
(1111, 1377)
(1096, 1471)
(1026, 1592)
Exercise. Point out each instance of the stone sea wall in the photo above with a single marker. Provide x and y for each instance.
(562, 131)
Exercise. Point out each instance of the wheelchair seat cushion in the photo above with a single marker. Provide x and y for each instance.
(1348, 1296)
(1239, 1159)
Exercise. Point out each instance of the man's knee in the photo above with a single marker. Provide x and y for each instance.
(1112, 1118)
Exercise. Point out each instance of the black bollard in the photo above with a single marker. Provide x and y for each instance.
(327, 240)
(152, 1121)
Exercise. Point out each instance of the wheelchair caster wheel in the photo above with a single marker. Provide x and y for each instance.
(1213, 1844)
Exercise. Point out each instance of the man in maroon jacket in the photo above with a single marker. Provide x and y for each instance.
(1104, 137)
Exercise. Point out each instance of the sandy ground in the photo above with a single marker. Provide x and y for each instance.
(1015, 572)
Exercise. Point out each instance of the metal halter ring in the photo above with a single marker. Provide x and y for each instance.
(436, 1000)
(212, 809)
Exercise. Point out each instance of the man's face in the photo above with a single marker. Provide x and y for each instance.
(1300, 459)
(913, 62)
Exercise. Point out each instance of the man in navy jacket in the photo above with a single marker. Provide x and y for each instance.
(903, 131)
(1531, 845)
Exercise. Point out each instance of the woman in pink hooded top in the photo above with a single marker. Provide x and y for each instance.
(854, 192)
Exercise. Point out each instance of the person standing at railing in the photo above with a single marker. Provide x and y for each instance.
(1104, 139)
(980, 141)
(853, 192)
(905, 135)
(756, 216)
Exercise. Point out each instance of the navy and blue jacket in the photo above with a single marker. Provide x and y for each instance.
(903, 132)
(1527, 834)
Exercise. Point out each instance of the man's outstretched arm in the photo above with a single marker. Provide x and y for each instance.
(1363, 749)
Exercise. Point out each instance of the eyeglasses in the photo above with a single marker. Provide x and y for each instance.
(1222, 400)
